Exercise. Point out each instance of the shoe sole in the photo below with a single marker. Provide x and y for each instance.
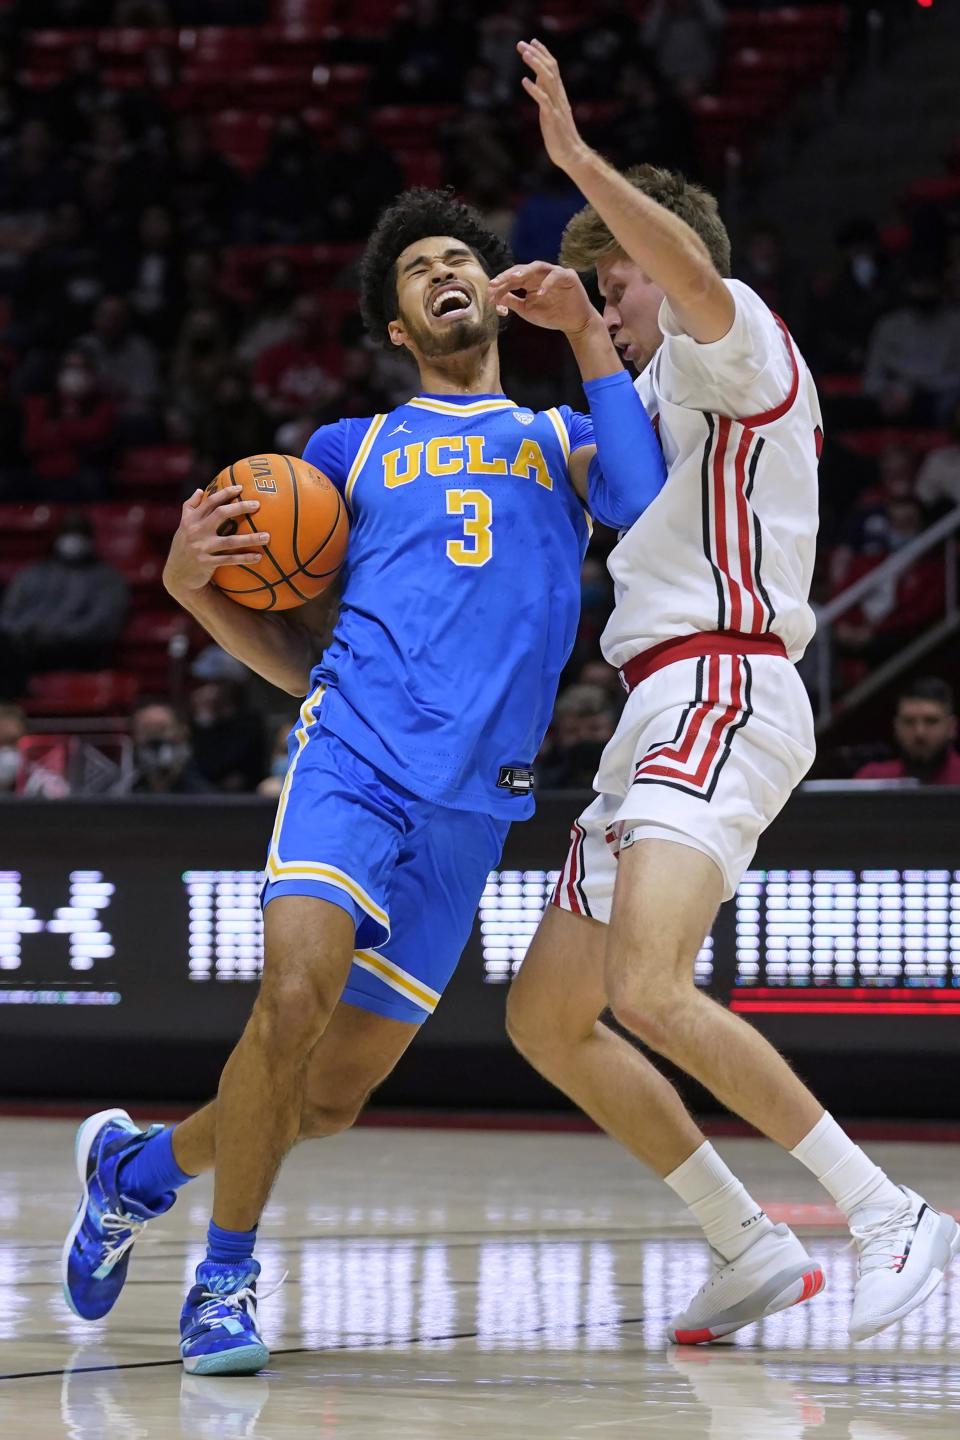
(951, 1238)
(81, 1154)
(244, 1360)
(789, 1288)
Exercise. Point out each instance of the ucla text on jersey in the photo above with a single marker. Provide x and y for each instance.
(460, 591)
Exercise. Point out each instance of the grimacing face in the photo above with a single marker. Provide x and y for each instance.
(631, 308)
(443, 299)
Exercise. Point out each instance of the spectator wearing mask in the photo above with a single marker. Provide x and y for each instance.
(162, 754)
(228, 739)
(65, 612)
(912, 370)
(70, 435)
(584, 719)
(924, 734)
(846, 305)
(938, 480)
(129, 369)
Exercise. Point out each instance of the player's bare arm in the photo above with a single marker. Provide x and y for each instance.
(553, 297)
(283, 647)
(661, 244)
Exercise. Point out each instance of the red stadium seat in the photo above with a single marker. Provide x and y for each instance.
(421, 167)
(120, 535)
(304, 12)
(148, 468)
(884, 437)
(242, 136)
(27, 531)
(81, 692)
(132, 40)
(341, 84)
(221, 45)
(317, 265)
(409, 126)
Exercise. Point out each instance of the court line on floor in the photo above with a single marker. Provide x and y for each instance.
(342, 1347)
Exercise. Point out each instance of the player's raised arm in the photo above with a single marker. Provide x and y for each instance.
(282, 647)
(662, 244)
(625, 471)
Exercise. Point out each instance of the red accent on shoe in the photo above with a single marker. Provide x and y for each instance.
(813, 1283)
(693, 1337)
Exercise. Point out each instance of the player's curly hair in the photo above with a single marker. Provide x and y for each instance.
(412, 216)
(588, 239)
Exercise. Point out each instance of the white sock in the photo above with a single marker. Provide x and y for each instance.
(728, 1216)
(844, 1171)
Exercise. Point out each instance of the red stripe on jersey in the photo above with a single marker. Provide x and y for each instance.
(727, 716)
(767, 417)
(679, 753)
(573, 861)
(720, 516)
(743, 539)
(696, 647)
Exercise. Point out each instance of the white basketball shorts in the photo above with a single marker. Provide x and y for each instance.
(707, 752)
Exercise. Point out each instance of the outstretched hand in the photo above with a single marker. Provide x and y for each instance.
(554, 297)
(565, 145)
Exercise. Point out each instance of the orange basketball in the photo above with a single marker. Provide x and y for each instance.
(306, 520)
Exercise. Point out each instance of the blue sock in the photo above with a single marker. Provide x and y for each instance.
(230, 1247)
(152, 1172)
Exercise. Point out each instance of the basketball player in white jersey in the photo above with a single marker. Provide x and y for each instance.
(711, 612)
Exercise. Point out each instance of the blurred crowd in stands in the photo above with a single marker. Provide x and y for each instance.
(140, 314)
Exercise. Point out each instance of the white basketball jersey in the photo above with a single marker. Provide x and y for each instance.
(728, 544)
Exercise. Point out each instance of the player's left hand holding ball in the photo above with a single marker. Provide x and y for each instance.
(198, 548)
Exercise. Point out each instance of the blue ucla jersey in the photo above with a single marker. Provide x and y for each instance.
(460, 593)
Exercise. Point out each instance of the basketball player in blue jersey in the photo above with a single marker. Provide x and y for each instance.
(413, 753)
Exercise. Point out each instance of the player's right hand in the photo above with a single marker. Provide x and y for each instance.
(553, 296)
(197, 550)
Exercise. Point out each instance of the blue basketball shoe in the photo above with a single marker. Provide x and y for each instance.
(218, 1325)
(96, 1252)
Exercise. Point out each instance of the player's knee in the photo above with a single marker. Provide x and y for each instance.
(540, 1030)
(330, 1115)
(292, 1010)
(650, 1011)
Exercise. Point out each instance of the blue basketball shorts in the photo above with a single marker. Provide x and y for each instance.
(411, 873)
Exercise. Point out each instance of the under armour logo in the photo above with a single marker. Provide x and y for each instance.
(401, 426)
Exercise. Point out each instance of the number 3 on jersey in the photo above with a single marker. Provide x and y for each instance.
(476, 527)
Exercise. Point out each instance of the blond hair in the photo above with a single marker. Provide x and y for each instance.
(587, 239)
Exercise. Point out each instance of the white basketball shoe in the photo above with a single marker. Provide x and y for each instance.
(771, 1274)
(903, 1258)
